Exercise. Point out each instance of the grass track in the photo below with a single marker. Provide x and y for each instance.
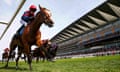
(94, 64)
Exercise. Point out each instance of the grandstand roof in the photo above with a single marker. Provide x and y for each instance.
(107, 12)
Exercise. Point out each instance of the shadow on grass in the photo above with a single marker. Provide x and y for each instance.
(13, 68)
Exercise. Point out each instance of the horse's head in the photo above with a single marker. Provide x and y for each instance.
(46, 14)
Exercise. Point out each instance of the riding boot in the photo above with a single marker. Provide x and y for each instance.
(19, 30)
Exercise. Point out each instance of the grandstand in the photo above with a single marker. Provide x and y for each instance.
(96, 33)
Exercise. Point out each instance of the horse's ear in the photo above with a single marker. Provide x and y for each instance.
(40, 7)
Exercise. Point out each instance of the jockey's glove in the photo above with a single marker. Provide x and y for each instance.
(31, 18)
(25, 24)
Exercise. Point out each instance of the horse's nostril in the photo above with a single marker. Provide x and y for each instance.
(52, 22)
(50, 25)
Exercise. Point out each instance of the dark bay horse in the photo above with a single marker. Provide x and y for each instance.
(42, 52)
(38, 53)
(47, 52)
(53, 50)
(4, 56)
(31, 36)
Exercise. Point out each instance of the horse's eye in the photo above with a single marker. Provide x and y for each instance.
(48, 15)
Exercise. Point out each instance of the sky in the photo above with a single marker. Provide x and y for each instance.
(64, 12)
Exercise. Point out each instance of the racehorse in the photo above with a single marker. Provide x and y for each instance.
(38, 53)
(31, 36)
(53, 50)
(48, 51)
(42, 52)
(4, 56)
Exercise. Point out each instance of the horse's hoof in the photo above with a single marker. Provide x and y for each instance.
(31, 69)
(6, 66)
(53, 60)
(16, 67)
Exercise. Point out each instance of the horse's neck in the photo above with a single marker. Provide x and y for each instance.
(35, 25)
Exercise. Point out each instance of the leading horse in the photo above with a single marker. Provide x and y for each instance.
(31, 36)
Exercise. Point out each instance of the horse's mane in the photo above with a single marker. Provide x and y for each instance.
(41, 12)
(37, 13)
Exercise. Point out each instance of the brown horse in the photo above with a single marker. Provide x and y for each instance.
(31, 35)
(38, 53)
(48, 51)
(42, 52)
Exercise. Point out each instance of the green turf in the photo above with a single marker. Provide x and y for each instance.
(94, 64)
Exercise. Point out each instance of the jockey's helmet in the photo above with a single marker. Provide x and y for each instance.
(33, 8)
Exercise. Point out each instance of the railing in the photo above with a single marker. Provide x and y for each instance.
(9, 23)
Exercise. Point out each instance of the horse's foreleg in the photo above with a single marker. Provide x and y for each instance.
(29, 60)
(2, 59)
(19, 55)
(37, 59)
(43, 59)
(25, 58)
(27, 50)
(8, 59)
(46, 53)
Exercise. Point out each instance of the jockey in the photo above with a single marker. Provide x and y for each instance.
(6, 50)
(27, 17)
